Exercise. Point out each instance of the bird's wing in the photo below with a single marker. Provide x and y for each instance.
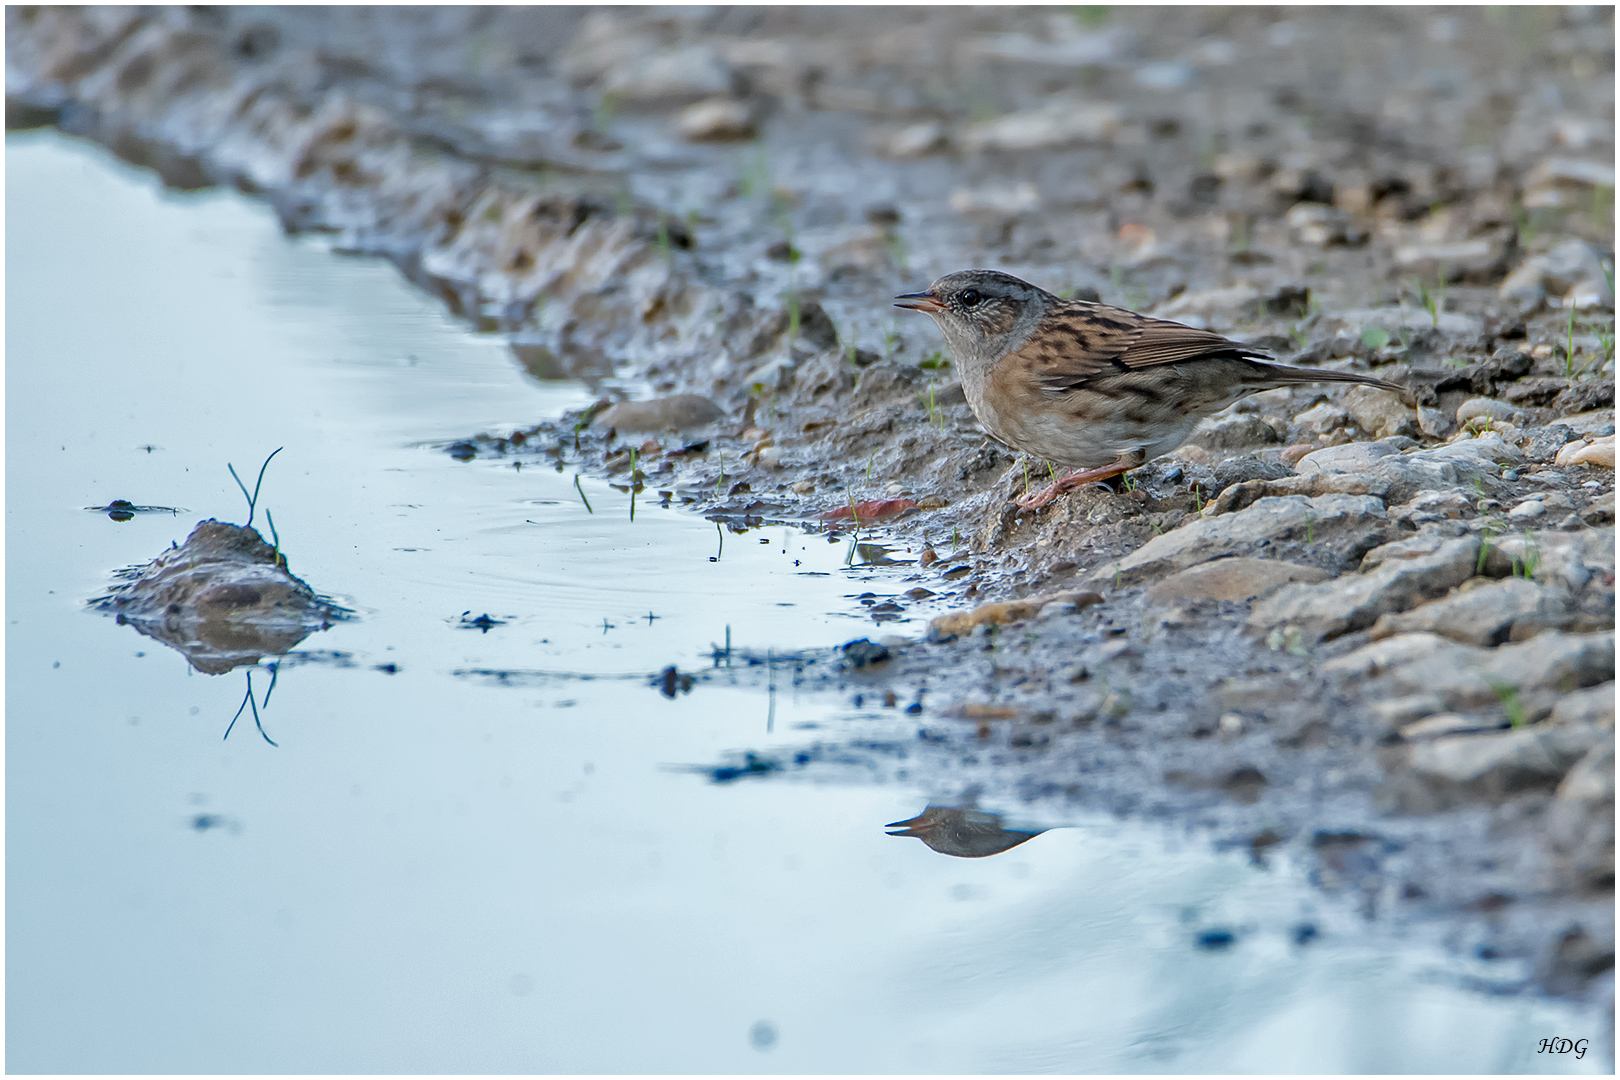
(1081, 342)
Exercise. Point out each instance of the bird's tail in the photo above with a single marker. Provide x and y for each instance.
(1282, 375)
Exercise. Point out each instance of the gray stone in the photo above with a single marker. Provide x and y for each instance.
(1241, 533)
(1594, 705)
(1354, 601)
(1235, 433)
(1571, 559)
(1467, 678)
(1351, 457)
(1058, 124)
(1229, 303)
(1395, 319)
(1458, 259)
(670, 77)
(1496, 766)
(1600, 511)
(682, 412)
(996, 201)
(1488, 408)
(1380, 413)
(909, 142)
(1480, 616)
(721, 119)
(1427, 541)
(1322, 419)
(1236, 579)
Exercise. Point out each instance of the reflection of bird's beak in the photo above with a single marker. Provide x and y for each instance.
(911, 826)
(920, 301)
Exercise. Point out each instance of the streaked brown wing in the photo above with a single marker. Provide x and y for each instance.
(1080, 342)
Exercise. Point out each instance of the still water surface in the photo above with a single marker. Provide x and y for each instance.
(437, 873)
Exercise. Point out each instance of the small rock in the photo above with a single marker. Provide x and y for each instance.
(1059, 124)
(1462, 259)
(1499, 766)
(720, 119)
(1488, 409)
(1351, 457)
(1318, 225)
(682, 412)
(957, 624)
(670, 77)
(863, 652)
(909, 142)
(1600, 512)
(1380, 413)
(1228, 303)
(997, 201)
(1354, 601)
(1480, 616)
(1240, 533)
(1322, 419)
(1599, 452)
(1526, 511)
(1594, 706)
(1237, 579)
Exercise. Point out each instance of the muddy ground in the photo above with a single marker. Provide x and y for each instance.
(1378, 638)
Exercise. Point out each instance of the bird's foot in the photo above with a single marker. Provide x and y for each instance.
(1049, 494)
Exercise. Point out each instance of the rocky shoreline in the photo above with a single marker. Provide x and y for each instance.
(1378, 637)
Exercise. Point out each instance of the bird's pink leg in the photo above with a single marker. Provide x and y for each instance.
(1037, 499)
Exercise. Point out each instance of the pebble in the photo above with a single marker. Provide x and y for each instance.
(681, 412)
(1597, 452)
(910, 142)
(1488, 408)
(1058, 124)
(721, 119)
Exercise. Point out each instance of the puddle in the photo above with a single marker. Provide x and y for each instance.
(490, 835)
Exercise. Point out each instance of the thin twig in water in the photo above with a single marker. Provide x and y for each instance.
(253, 498)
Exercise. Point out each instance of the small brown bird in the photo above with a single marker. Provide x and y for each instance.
(1088, 386)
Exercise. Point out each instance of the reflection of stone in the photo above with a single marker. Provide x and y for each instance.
(224, 599)
(962, 831)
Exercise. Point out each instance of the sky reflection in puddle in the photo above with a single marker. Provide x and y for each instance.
(436, 869)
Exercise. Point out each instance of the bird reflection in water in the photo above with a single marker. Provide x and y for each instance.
(963, 831)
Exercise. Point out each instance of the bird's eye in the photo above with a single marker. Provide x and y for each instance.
(968, 297)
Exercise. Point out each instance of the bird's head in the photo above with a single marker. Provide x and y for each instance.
(984, 314)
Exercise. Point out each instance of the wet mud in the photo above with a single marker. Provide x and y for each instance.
(1374, 635)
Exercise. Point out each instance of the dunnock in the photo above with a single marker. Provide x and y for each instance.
(1089, 386)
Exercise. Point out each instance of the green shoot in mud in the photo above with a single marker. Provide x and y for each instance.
(1128, 482)
(934, 361)
(891, 339)
(1602, 206)
(933, 409)
(1092, 16)
(666, 249)
(1288, 640)
(632, 483)
(1433, 302)
(275, 540)
(1569, 344)
(1486, 536)
(253, 499)
(582, 498)
(793, 318)
(1375, 337)
(1526, 565)
(1198, 499)
(721, 482)
(1604, 332)
(956, 540)
(1508, 696)
(869, 463)
(1025, 463)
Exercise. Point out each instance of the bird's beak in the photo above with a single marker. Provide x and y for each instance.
(920, 301)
